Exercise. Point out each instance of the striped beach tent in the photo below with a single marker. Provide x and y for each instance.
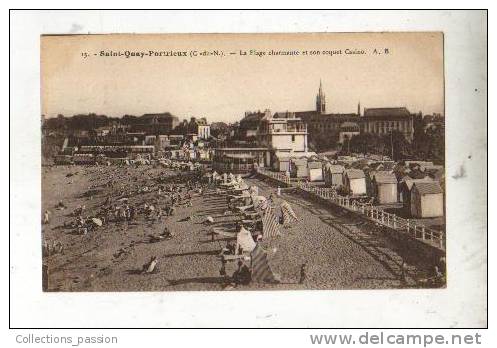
(261, 272)
(270, 226)
(289, 215)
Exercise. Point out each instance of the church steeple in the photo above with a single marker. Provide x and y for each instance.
(359, 109)
(320, 100)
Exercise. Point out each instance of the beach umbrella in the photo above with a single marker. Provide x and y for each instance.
(97, 222)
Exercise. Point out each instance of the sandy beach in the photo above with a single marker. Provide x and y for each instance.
(340, 250)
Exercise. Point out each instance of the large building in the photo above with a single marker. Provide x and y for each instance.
(383, 121)
(284, 135)
(162, 123)
(280, 137)
(339, 127)
(199, 127)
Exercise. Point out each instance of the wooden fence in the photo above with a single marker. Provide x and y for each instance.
(277, 176)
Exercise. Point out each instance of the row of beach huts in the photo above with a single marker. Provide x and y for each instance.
(418, 185)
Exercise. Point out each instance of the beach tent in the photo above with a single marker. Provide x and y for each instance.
(244, 241)
(270, 226)
(289, 215)
(261, 271)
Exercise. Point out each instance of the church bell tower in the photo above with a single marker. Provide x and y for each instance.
(320, 100)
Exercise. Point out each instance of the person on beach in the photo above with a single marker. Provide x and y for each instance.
(149, 267)
(46, 217)
(302, 273)
(270, 199)
(242, 275)
(222, 270)
(403, 275)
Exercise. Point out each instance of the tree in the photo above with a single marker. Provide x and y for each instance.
(397, 143)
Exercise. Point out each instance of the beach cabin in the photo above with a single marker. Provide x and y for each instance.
(427, 200)
(384, 186)
(281, 162)
(315, 171)
(355, 182)
(404, 190)
(333, 174)
(298, 168)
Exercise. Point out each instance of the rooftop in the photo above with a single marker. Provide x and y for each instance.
(335, 168)
(354, 174)
(385, 178)
(427, 188)
(381, 112)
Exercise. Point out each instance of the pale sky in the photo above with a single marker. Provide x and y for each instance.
(223, 88)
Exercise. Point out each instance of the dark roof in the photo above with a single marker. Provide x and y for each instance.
(335, 168)
(427, 188)
(284, 114)
(355, 174)
(344, 116)
(315, 165)
(299, 161)
(385, 178)
(305, 115)
(386, 112)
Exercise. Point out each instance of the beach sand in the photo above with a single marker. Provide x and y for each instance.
(340, 251)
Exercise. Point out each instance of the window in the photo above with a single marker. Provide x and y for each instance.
(293, 138)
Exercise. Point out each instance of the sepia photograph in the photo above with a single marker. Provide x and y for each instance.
(237, 162)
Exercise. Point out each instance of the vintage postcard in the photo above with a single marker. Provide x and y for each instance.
(243, 162)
